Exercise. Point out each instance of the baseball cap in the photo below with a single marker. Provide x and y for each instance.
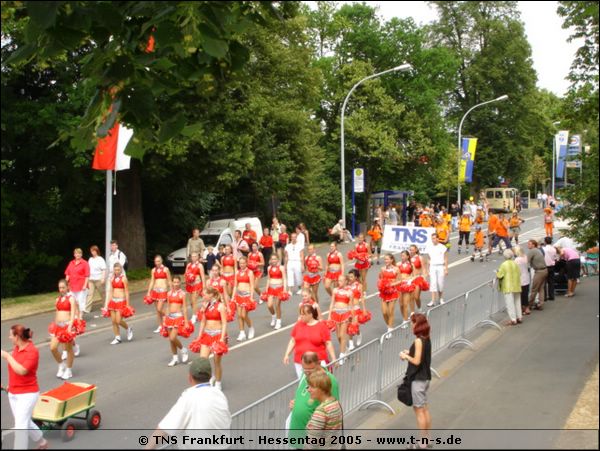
(200, 366)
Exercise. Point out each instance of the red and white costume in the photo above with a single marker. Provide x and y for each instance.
(159, 294)
(63, 304)
(389, 294)
(275, 273)
(243, 298)
(419, 281)
(211, 313)
(312, 277)
(193, 281)
(117, 304)
(228, 261)
(362, 258)
(254, 259)
(175, 319)
(333, 258)
(406, 285)
(343, 296)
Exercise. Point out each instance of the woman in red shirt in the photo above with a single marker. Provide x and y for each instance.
(23, 390)
(266, 246)
(77, 276)
(309, 334)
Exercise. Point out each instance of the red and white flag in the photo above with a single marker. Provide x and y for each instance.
(110, 152)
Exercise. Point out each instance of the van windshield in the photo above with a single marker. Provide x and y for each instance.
(210, 240)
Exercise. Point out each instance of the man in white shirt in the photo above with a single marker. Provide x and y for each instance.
(550, 257)
(202, 411)
(544, 200)
(240, 246)
(300, 238)
(115, 256)
(436, 267)
(294, 263)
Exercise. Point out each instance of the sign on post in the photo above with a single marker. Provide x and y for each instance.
(359, 180)
(400, 238)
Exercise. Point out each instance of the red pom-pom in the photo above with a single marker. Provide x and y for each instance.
(195, 345)
(220, 348)
(148, 300)
(79, 326)
(64, 336)
(250, 305)
(231, 309)
(164, 331)
(383, 284)
(284, 296)
(186, 330)
(264, 296)
(424, 285)
(330, 324)
(51, 328)
(364, 317)
(127, 311)
(105, 313)
(351, 254)
(353, 329)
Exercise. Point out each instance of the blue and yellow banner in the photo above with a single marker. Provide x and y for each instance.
(467, 160)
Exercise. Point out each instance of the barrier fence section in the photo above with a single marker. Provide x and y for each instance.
(375, 366)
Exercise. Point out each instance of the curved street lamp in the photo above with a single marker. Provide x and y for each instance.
(402, 67)
(504, 97)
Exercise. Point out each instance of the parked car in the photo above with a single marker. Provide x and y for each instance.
(215, 233)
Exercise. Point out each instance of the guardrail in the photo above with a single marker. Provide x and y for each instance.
(367, 371)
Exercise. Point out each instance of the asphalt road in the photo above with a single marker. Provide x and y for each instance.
(135, 386)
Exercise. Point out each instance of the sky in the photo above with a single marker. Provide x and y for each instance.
(542, 26)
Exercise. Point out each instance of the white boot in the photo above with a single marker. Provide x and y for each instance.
(278, 324)
(67, 374)
(273, 319)
(61, 369)
(350, 344)
(251, 333)
(184, 355)
(241, 336)
(174, 361)
(358, 339)
(218, 385)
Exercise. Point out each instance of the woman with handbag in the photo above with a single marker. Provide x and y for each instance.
(419, 371)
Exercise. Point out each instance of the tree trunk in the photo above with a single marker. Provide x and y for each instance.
(128, 225)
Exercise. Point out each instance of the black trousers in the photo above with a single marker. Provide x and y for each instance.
(464, 235)
(525, 295)
(549, 288)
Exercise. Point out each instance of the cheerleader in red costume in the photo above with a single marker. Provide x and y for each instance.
(228, 268)
(256, 264)
(340, 312)
(119, 304)
(335, 268)
(61, 330)
(388, 290)
(406, 286)
(212, 336)
(363, 259)
(244, 287)
(276, 290)
(175, 322)
(419, 281)
(312, 277)
(194, 281)
(358, 304)
(160, 283)
(308, 299)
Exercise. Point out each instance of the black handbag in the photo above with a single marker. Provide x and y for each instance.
(405, 392)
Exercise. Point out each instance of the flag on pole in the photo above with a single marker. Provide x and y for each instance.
(110, 151)
(561, 141)
(468, 147)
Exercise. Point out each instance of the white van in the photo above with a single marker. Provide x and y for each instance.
(215, 233)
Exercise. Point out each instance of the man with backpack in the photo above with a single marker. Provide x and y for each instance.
(116, 256)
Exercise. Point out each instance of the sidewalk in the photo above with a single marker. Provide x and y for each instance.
(526, 377)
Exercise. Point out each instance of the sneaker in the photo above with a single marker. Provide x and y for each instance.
(350, 345)
(278, 324)
(442, 302)
(358, 339)
(76, 350)
(251, 333)
(116, 341)
(68, 374)
(184, 355)
(157, 330)
(218, 385)
(61, 370)
(64, 355)
(129, 334)
(273, 319)
(241, 336)
(299, 291)
(260, 301)
(212, 380)
(194, 319)
(342, 360)
(431, 304)
(404, 324)
(174, 361)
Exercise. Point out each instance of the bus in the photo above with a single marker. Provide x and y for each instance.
(502, 199)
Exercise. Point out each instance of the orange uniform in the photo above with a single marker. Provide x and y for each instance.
(464, 224)
(425, 220)
(502, 228)
(492, 223)
(479, 239)
(442, 232)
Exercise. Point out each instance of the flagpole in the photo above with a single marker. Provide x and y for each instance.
(108, 236)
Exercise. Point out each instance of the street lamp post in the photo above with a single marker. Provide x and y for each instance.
(554, 157)
(504, 97)
(402, 67)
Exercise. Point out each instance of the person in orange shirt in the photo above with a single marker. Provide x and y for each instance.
(480, 217)
(515, 222)
(464, 230)
(501, 233)
(548, 221)
(376, 235)
(479, 242)
(492, 223)
(443, 232)
(425, 219)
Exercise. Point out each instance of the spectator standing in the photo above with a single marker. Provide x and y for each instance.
(436, 268)
(509, 276)
(195, 244)
(212, 258)
(240, 246)
(544, 200)
(536, 260)
(266, 247)
(573, 268)
(550, 257)
(23, 390)
(328, 416)
(454, 213)
(393, 216)
(539, 199)
(249, 235)
(116, 256)
(419, 371)
(97, 280)
(300, 237)
(305, 232)
(201, 408)
(281, 243)
(521, 261)
(77, 275)
(294, 264)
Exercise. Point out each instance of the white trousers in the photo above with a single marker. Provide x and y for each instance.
(294, 274)
(513, 305)
(81, 298)
(436, 278)
(22, 407)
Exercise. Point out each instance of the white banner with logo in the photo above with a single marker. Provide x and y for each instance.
(400, 238)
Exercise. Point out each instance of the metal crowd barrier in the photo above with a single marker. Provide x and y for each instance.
(375, 366)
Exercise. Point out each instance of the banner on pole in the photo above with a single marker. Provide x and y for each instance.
(400, 238)
(574, 152)
(359, 180)
(467, 159)
(561, 141)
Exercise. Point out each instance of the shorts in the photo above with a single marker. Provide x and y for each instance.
(159, 294)
(515, 230)
(573, 269)
(419, 393)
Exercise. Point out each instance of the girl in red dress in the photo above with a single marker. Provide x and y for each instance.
(363, 259)
(358, 304)
(176, 321)
(228, 268)
(160, 283)
(340, 312)
(213, 329)
(406, 286)
(308, 299)
(388, 291)
(61, 330)
(419, 282)
(244, 287)
(276, 287)
(312, 277)
(256, 264)
(119, 300)
(195, 280)
(334, 268)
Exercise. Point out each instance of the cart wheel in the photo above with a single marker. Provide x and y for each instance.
(93, 419)
(68, 431)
